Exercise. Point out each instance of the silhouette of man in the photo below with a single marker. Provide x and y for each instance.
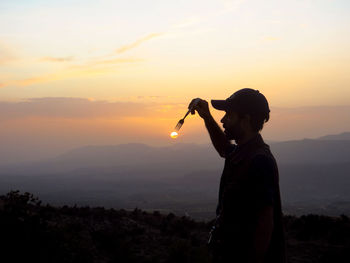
(248, 227)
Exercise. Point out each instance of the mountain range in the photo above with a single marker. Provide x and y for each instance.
(183, 178)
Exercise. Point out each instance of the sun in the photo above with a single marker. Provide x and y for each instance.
(173, 135)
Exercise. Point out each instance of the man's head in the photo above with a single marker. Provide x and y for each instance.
(246, 111)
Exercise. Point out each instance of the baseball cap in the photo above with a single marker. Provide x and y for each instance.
(246, 100)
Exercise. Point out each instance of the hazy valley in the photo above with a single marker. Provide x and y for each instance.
(184, 178)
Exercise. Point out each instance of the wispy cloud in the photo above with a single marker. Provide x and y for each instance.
(70, 108)
(96, 63)
(116, 61)
(99, 65)
(57, 59)
(94, 67)
(34, 80)
(82, 108)
(137, 43)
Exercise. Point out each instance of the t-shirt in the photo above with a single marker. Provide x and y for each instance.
(249, 182)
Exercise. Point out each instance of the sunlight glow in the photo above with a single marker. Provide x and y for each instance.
(174, 135)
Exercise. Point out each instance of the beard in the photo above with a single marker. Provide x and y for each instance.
(234, 133)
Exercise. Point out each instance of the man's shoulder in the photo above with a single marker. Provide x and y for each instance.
(262, 152)
(263, 157)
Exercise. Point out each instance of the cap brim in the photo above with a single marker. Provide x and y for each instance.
(219, 104)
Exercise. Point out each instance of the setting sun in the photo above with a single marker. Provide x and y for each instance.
(174, 135)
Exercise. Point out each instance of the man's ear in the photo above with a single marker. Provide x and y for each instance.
(246, 120)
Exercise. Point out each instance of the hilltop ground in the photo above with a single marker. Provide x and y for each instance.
(31, 232)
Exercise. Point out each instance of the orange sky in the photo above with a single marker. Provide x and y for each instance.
(74, 73)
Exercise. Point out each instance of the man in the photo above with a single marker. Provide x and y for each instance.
(249, 225)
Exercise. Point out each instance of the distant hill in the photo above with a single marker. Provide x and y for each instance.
(133, 159)
(175, 160)
(183, 178)
(312, 151)
(341, 136)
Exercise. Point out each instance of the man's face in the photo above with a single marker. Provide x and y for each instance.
(232, 126)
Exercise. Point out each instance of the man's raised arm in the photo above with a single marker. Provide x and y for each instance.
(217, 136)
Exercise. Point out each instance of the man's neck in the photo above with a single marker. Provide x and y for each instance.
(246, 138)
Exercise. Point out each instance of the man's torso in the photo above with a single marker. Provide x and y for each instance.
(248, 183)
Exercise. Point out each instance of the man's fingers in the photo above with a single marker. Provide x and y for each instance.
(192, 103)
(196, 105)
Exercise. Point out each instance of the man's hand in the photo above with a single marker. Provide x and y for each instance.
(201, 106)
(217, 136)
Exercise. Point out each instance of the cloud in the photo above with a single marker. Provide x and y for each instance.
(35, 80)
(284, 124)
(115, 61)
(82, 108)
(64, 123)
(100, 65)
(137, 43)
(78, 70)
(69, 108)
(92, 63)
(57, 59)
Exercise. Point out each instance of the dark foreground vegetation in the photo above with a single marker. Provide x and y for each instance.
(32, 232)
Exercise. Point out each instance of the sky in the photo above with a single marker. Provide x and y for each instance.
(90, 72)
